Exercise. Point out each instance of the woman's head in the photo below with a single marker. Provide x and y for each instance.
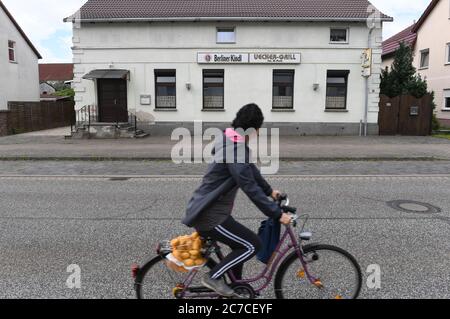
(249, 117)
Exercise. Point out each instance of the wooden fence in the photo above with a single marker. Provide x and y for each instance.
(406, 115)
(22, 117)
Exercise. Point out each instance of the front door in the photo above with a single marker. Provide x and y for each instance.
(112, 100)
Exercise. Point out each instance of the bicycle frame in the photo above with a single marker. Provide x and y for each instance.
(268, 271)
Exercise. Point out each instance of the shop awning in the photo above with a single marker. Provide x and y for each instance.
(107, 74)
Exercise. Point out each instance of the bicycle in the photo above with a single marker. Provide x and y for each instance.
(293, 263)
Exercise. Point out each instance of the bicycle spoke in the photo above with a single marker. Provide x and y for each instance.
(334, 276)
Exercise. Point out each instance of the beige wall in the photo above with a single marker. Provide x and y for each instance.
(387, 63)
(435, 35)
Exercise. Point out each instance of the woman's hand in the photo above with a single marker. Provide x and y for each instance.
(275, 194)
(286, 219)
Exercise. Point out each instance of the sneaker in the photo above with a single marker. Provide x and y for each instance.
(218, 285)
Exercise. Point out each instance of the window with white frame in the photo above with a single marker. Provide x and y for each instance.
(448, 54)
(424, 59)
(226, 35)
(283, 89)
(166, 89)
(339, 35)
(337, 85)
(12, 51)
(447, 99)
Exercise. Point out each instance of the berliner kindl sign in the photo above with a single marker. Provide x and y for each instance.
(249, 58)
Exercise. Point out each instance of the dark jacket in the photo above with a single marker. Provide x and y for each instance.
(231, 167)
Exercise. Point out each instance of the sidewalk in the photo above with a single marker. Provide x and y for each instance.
(50, 146)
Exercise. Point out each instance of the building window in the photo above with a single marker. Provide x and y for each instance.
(337, 83)
(424, 58)
(166, 89)
(12, 51)
(448, 53)
(226, 35)
(446, 99)
(283, 89)
(339, 35)
(213, 89)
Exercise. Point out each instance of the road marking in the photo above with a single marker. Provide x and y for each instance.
(195, 177)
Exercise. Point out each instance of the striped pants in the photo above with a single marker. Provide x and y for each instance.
(244, 244)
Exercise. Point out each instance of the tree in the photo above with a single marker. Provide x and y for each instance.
(402, 78)
(68, 92)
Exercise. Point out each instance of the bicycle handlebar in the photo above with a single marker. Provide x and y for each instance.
(283, 202)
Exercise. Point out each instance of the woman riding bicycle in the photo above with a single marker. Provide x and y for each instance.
(210, 208)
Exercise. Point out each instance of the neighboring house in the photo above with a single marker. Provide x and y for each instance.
(19, 80)
(54, 77)
(46, 89)
(432, 54)
(58, 75)
(391, 45)
(174, 62)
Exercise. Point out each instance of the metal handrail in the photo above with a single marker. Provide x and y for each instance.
(84, 118)
(88, 114)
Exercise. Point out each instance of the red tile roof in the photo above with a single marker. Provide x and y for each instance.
(22, 33)
(392, 44)
(110, 10)
(56, 72)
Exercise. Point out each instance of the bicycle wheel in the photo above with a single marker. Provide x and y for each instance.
(338, 272)
(157, 281)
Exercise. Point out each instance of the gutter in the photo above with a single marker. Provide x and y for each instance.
(366, 106)
(199, 19)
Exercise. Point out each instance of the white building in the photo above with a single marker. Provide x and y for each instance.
(19, 80)
(174, 62)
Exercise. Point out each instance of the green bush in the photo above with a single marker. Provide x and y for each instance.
(402, 78)
(435, 123)
(66, 92)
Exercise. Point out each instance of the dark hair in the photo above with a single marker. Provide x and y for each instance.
(249, 116)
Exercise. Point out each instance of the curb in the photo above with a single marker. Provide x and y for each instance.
(168, 159)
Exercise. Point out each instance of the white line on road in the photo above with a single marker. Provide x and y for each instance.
(195, 177)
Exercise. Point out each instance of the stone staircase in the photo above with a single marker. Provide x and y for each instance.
(107, 131)
(87, 126)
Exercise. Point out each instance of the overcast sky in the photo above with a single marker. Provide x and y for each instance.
(42, 21)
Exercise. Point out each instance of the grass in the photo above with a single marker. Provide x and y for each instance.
(446, 136)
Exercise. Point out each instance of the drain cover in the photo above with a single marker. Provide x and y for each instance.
(410, 206)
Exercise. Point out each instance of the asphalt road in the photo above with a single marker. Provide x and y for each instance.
(48, 223)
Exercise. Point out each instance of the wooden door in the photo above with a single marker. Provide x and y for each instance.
(112, 100)
(388, 116)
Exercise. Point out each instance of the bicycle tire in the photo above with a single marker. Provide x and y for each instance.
(146, 269)
(143, 272)
(314, 248)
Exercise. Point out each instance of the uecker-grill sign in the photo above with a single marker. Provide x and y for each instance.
(246, 58)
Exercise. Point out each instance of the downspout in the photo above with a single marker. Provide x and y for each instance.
(366, 107)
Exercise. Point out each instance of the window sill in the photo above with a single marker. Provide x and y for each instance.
(445, 110)
(335, 111)
(424, 68)
(13, 62)
(213, 110)
(331, 42)
(283, 110)
(165, 110)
